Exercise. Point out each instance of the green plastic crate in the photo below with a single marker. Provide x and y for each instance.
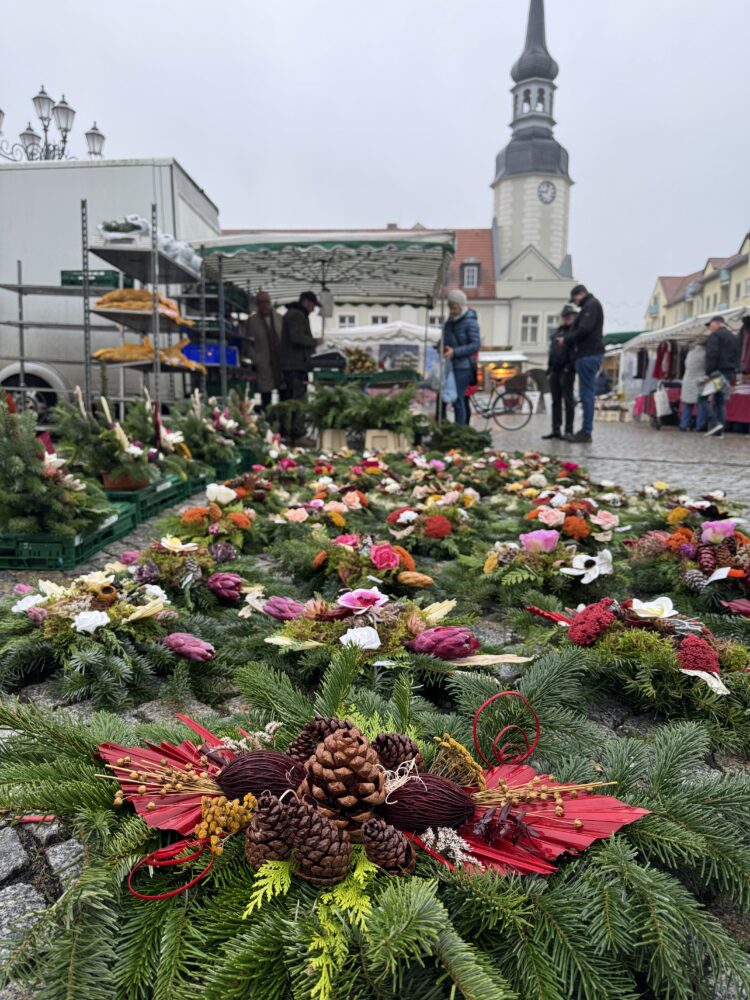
(152, 498)
(198, 484)
(248, 458)
(55, 552)
(227, 470)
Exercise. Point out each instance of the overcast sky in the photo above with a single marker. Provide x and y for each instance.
(326, 113)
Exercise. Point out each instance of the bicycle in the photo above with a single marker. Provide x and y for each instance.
(507, 405)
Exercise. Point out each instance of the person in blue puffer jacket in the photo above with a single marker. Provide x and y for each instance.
(461, 341)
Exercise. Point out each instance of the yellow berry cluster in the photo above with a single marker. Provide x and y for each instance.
(456, 759)
(221, 817)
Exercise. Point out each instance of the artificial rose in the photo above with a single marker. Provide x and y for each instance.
(384, 556)
(30, 601)
(335, 507)
(297, 515)
(540, 541)
(551, 517)
(352, 500)
(361, 600)
(605, 520)
(350, 540)
(437, 465)
(219, 493)
(364, 638)
(22, 588)
(90, 621)
(717, 532)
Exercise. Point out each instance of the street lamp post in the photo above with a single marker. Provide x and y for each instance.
(33, 146)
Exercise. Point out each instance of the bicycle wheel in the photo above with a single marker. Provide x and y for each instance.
(512, 411)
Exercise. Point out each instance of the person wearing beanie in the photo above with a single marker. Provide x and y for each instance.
(461, 341)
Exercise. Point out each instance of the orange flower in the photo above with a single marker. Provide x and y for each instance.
(319, 559)
(575, 527)
(532, 515)
(241, 492)
(405, 559)
(338, 519)
(678, 538)
(240, 520)
(321, 495)
(194, 515)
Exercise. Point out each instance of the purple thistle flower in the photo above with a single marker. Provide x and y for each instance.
(223, 552)
(130, 556)
(147, 572)
(226, 585)
(446, 642)
(688, 551)
(189, 646)
(283, 608)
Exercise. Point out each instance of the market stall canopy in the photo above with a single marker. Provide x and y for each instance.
(688, 329)
(383, 333)
(404, 268)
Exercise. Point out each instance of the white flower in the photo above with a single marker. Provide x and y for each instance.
(407, 517)
(173, 437)
(217, 492)
(364, 638)
(538, 479)
(391, 486)
(588, 568)
(90, 621)
(255, 598)
(660, 607)
(135, 450)
(607, 484)
(51, 461)
(228, 424)
(156, 593)
(50, 589)
(94, 580)
(30, 601)
(173, 544)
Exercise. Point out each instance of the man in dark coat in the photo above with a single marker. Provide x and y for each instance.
(562, 376)
(461, 341)
(722, 357)
(586, 341)
(297, 347)
(262, 347)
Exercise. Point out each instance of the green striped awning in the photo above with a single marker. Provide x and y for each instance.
(404, 267)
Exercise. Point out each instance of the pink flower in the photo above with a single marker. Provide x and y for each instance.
(351, 540)
(569, 466)
(605, 520)
(356, 470)
(167, 615)
(717, 531)
(130, 557)
(315, 504)
(450, 498)
(297, 515)
(189, 646)
(287, 463)
(540, 541)
(215, 529)
(551, 517)
(500, 464)
(436, 464)
(384, 556)
(446, 642)
(352, 500)
(283, 608)
(36, 615)
(226, 585)
(22, 588)
(257, 468)
(336, 507)
(362, 600)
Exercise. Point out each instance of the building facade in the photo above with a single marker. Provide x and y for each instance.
(722, 283)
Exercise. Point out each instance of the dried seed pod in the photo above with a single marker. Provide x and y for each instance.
(260, 771)
(427, 800)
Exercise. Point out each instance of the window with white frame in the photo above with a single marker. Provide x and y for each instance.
(552, 324)
(529, 329)
(379, 319)
(471, 276)
(436, 320)
(347, 319)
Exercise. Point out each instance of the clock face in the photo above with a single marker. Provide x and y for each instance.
(547, 192)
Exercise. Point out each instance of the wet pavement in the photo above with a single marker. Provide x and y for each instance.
(633, 454)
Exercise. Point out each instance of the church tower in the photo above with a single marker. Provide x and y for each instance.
(532, 185)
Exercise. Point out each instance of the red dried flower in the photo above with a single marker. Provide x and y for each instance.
(591, 623)
(437, 526)
(697, 654)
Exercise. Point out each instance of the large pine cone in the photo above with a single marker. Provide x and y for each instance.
(723, 555)
(268, 838)
(388, 847)
(303, 747)
(395, 748)
(695, 580)
(345, 780)
(322, 852)
(707, 558)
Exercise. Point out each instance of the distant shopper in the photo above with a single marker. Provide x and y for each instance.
(722, 358)
(586, 341)
(562, 376)
(297, 346)
(692, 383)
(262, 347)
(461, 341)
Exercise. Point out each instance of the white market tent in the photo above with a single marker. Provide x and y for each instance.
(396, 345)
(405, 267)
(688, 329)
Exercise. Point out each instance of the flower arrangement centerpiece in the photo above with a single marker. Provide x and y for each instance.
(441, 525)
(359, 362)
(224, 517)
(664, 660)
(109, 639)
(354, 558)
(335, 513)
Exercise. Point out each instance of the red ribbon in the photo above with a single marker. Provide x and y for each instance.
(166, 857)
(500, 753)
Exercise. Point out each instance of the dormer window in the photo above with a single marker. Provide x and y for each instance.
(470, 276)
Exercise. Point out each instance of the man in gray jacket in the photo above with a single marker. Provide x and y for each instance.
(297, 347)
(262, 347)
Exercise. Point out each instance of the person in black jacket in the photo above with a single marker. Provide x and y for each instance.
(722, 356)
(586, 342)
(562, 376)
(297, 346)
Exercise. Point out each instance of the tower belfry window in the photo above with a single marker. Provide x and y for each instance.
(526, 107)
(540, 99)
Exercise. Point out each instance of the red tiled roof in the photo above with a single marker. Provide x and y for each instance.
(674, 285)
(474, 245)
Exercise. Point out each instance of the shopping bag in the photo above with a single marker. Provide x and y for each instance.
(716, 383)
(449, 392)
(662, 406)
(433, 375)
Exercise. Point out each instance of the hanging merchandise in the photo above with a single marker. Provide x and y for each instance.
(663, 361)
(141, 300)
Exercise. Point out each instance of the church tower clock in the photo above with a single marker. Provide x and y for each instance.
(532, 185)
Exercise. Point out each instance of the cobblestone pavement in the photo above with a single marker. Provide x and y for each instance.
(634, 454)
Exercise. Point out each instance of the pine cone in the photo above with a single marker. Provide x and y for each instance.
(322, 852)
(731, 544)
(303, 747)
(695, 580)
(395, 748)
(345, 780)
(723, 555)
(268, 838)
(707, 558)
(388, 847)
(742, 559)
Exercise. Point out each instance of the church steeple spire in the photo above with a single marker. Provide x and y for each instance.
(535, 62)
